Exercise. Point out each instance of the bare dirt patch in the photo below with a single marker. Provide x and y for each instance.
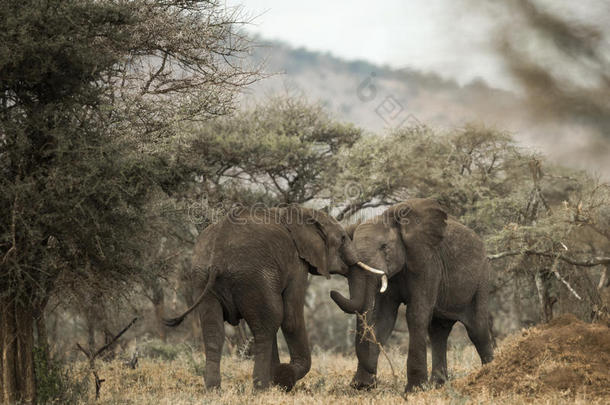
(565, 356)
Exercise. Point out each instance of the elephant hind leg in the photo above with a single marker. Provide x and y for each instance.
(264, 316)
(479, 330)
(212, 327)
(479, 335)
(275, 355)
(439, 331)
(263, 358)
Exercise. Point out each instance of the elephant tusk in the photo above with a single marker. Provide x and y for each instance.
(371, 269)
(384, 277)
(384, 283)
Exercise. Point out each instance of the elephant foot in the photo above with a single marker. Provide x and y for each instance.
(437, 380)
(260, 385)
(284, 377)
(212, 385)
(211, 376)
(364, 380)
(414, 387)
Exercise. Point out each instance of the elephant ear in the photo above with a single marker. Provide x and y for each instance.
(350, 229)
(421, 221)
(309, 237)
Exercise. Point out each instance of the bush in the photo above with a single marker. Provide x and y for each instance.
(156, 349)
(54, 382)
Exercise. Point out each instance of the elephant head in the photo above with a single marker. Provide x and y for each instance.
(385, 241)
(320, 240)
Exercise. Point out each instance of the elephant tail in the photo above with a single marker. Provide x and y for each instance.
(213, 272)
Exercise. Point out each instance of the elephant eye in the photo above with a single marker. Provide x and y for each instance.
(343, 238)
(384, 246)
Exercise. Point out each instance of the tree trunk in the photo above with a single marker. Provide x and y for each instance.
(515, 305)
(90, 331)
(17, 382)
(543, 285)
(158, 300)
(42, 339)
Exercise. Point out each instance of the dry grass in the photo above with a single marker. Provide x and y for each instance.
(177, 382)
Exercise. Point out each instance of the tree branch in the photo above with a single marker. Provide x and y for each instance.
(114, 339)
(555, 272)
(594, 261)
(92, 356)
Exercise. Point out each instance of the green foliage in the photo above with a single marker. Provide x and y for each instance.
(286, 150)
(47, 52)
(195, 362)
(91, 95)
(470, 171)
(54, 382)
(89, 102)
(156, 349)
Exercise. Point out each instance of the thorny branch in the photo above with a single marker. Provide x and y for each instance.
(92, 356)
(560, 278)
(368, 334)
(595, 261)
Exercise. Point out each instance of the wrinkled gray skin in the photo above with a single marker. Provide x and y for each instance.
(438, 268)
(254, 266)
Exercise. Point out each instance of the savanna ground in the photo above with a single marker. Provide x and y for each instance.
(565, 361)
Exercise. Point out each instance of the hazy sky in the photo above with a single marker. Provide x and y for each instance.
(425, 34)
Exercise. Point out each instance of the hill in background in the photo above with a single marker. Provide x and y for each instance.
(378, 98)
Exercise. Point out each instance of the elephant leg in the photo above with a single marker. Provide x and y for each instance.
(295, 332)
(212, 327)
(439, 333)
(479, 334)
(286, 375)
(368, 349)
(264, 316)
(275, 355)
(480, 337)
(263, 354)
(275, 359)
(479, 329)
(418, 320)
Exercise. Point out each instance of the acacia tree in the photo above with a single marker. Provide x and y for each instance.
(90, 96)
(284, 149)
(463, 169)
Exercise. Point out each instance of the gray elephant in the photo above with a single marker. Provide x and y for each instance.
(254, 265)
(438, 268)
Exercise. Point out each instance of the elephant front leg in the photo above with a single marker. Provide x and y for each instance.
(293, 327)
(212, 326)
(368, 345)
(417, 366)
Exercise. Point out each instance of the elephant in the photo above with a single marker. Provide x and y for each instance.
(254, 265)
(438, 268)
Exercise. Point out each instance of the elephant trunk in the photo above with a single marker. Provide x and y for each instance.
(357, 291)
